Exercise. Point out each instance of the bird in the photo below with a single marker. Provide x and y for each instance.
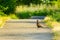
(38, 24)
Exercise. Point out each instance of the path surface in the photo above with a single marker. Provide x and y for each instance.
(25, 33)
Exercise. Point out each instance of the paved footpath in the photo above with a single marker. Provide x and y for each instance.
(25, 33)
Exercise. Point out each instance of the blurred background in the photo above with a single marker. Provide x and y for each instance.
(25, 9)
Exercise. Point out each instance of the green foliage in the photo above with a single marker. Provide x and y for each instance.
(56, 16)
(23, 15)
(43, 12)
(13, 16)
(2, 13)
(28, 14)
(39, 13)
(7, 6)
(27, 2)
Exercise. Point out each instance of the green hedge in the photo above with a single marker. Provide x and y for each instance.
(56, 16)
(24, 15)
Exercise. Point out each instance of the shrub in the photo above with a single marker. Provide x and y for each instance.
(3, 20)
(2, 13)
(28, 14)
(56, 16)
(7, 6)
(23, 15)
(13, 16)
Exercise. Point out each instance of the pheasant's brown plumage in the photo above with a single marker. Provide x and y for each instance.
(38, 25)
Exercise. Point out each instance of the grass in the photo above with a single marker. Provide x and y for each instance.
(57, 35)
(13, 16)
(48, 20)
(3, 20)
(54, 25)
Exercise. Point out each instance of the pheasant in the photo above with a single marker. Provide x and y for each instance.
(39, 25)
